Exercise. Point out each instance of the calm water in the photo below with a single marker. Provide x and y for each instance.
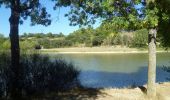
(116, 70)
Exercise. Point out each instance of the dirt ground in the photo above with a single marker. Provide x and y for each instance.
(92, 50)
(163, 93)
(98, 50)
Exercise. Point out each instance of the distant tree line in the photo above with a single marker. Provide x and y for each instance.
(104, 35)
(42, 35)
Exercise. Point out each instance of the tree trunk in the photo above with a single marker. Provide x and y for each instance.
(151, 91)
(15, 89)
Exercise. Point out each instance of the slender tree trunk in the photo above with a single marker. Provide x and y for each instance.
(151, 91)
(15, 89)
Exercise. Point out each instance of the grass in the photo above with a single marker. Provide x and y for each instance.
(39, 74)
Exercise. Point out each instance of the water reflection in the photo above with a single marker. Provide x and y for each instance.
(116, 70)
(101, 79)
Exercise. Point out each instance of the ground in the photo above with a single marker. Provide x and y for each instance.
(163, 93)
(99, 50)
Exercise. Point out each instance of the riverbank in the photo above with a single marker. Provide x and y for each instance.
(110, 94)
(99, 50)
(137, 93)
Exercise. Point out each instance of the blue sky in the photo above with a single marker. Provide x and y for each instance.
(59, 22)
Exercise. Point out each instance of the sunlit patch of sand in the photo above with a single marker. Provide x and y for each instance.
(163, 93)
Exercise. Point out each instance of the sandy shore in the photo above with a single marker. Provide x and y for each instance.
(98, 50)
(163, 93)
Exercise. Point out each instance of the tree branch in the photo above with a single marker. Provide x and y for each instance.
(30, 6)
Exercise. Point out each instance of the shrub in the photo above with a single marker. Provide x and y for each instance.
(27, 45)
(118, 39)
(97, 41)
(140, 38)
(39, 74)
(6, 45)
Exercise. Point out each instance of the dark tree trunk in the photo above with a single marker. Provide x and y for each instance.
(15, 89)
(151, 91)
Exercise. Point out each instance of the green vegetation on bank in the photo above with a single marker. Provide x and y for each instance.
(38, 74)
(84, 37)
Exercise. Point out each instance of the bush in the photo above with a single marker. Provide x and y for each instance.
(97, 41)
(39, 74)
(6, 45)
(27, 45)
(46, 43)
(61, 43)
(118, 39)
(140, 38)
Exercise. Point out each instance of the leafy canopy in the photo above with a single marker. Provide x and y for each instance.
(123, 14)
(29, 8)
(126, 13)
(84, 12)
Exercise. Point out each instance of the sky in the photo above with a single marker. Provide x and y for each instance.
(59, 22)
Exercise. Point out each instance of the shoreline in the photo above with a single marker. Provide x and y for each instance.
(136, 93)
(132, 52)
(97, 50)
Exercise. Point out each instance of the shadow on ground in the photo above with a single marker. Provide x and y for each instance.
(74, 94)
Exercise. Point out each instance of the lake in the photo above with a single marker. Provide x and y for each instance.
(116, 70)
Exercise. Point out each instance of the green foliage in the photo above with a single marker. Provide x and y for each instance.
(24, 45)
(6, 45)
(81, 36)
(46, 43)
(31, 41)
(164, 21)
(39, 74)
(84, 12)
(29, 8)
(41, 35)
(56, 43)
(164, 34)
(2, 40)
(61, 43)
(123, 14)
(123, 39)
(140, 38)
(97, 41)
(27, 45)
(104, 35)
(118, 39)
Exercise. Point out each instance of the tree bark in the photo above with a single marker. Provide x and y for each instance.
(15, 89)
(151, 91)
